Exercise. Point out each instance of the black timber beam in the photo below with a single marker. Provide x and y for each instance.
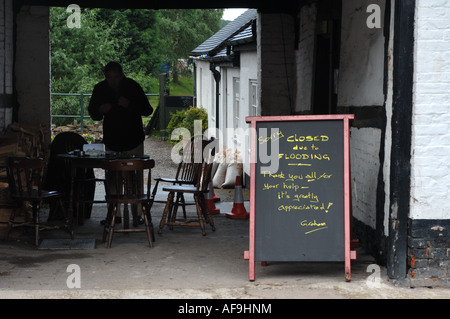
(400, 179)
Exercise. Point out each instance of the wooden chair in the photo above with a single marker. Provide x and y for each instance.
(187, 174)
(125, 176)
(25, 177)
(203, 176)
(59, 177)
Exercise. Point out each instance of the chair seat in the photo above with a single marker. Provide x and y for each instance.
(35, 196)
(175, 180)
(131, 199)
(183, 189)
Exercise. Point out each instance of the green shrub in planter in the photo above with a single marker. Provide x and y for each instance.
(185, 119)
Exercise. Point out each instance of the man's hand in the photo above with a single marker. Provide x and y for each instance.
(105, 108)
(123, 101)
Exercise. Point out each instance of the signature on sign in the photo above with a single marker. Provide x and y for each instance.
(321, 226)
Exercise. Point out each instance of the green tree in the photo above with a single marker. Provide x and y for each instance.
(183, 30)
(139, 27)
(77, 55)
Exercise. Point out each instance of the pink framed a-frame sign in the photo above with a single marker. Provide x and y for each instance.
(348, 254)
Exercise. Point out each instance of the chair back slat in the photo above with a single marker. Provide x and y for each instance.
(25, 176)
(129, 174)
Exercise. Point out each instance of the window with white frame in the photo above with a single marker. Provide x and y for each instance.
(253, 98)
(236, 101)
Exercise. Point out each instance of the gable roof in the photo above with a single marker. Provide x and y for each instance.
(215, 43)
(246, 35)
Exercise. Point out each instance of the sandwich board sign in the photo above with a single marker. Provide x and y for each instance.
(300, 196)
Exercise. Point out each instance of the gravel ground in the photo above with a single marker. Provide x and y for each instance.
(160, 151)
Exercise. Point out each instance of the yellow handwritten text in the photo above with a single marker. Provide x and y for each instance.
(305, 223)
(310, 177)
(304, 156)
(295, 138)
(267, 174)
(274, 137)
(269, 186)
(314, 223)
(292, 186)
(313, 198)
(309, 207)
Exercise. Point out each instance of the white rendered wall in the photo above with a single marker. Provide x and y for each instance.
(206, 90)
(361, 85)
(430, 176)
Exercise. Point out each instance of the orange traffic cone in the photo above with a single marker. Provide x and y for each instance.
(209, 198)
(216, 198)
(238, 211)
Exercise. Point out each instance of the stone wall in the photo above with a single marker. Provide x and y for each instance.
(429, 253)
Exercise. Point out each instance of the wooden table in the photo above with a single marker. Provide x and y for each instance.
(84, 162)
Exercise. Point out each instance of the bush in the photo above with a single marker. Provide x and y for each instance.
(185, 119)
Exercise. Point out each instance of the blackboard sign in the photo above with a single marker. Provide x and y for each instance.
(299, 192)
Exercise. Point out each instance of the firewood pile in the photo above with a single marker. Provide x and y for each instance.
(18, 140)
(94, 130)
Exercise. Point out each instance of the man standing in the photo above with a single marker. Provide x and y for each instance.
(120, 102)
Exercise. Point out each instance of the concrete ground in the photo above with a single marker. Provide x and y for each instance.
(182, 264)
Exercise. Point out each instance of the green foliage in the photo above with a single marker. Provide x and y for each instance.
(141, 40)
(184, 30)
(78, 54)
(140, 28)
(185, 119)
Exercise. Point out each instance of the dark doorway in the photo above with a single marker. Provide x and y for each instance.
(328, 40)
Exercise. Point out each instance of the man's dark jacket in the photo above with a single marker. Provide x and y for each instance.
(122, 127)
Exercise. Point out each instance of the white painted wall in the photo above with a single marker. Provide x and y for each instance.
(430, 179)
(248, 72)
(362, 56)
(206, 98)
(365, 165)
(206, 90)
(360, 85)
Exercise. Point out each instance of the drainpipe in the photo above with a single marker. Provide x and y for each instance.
(195, 84)
(216, 74)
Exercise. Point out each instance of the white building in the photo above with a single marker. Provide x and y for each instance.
(226, 80)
